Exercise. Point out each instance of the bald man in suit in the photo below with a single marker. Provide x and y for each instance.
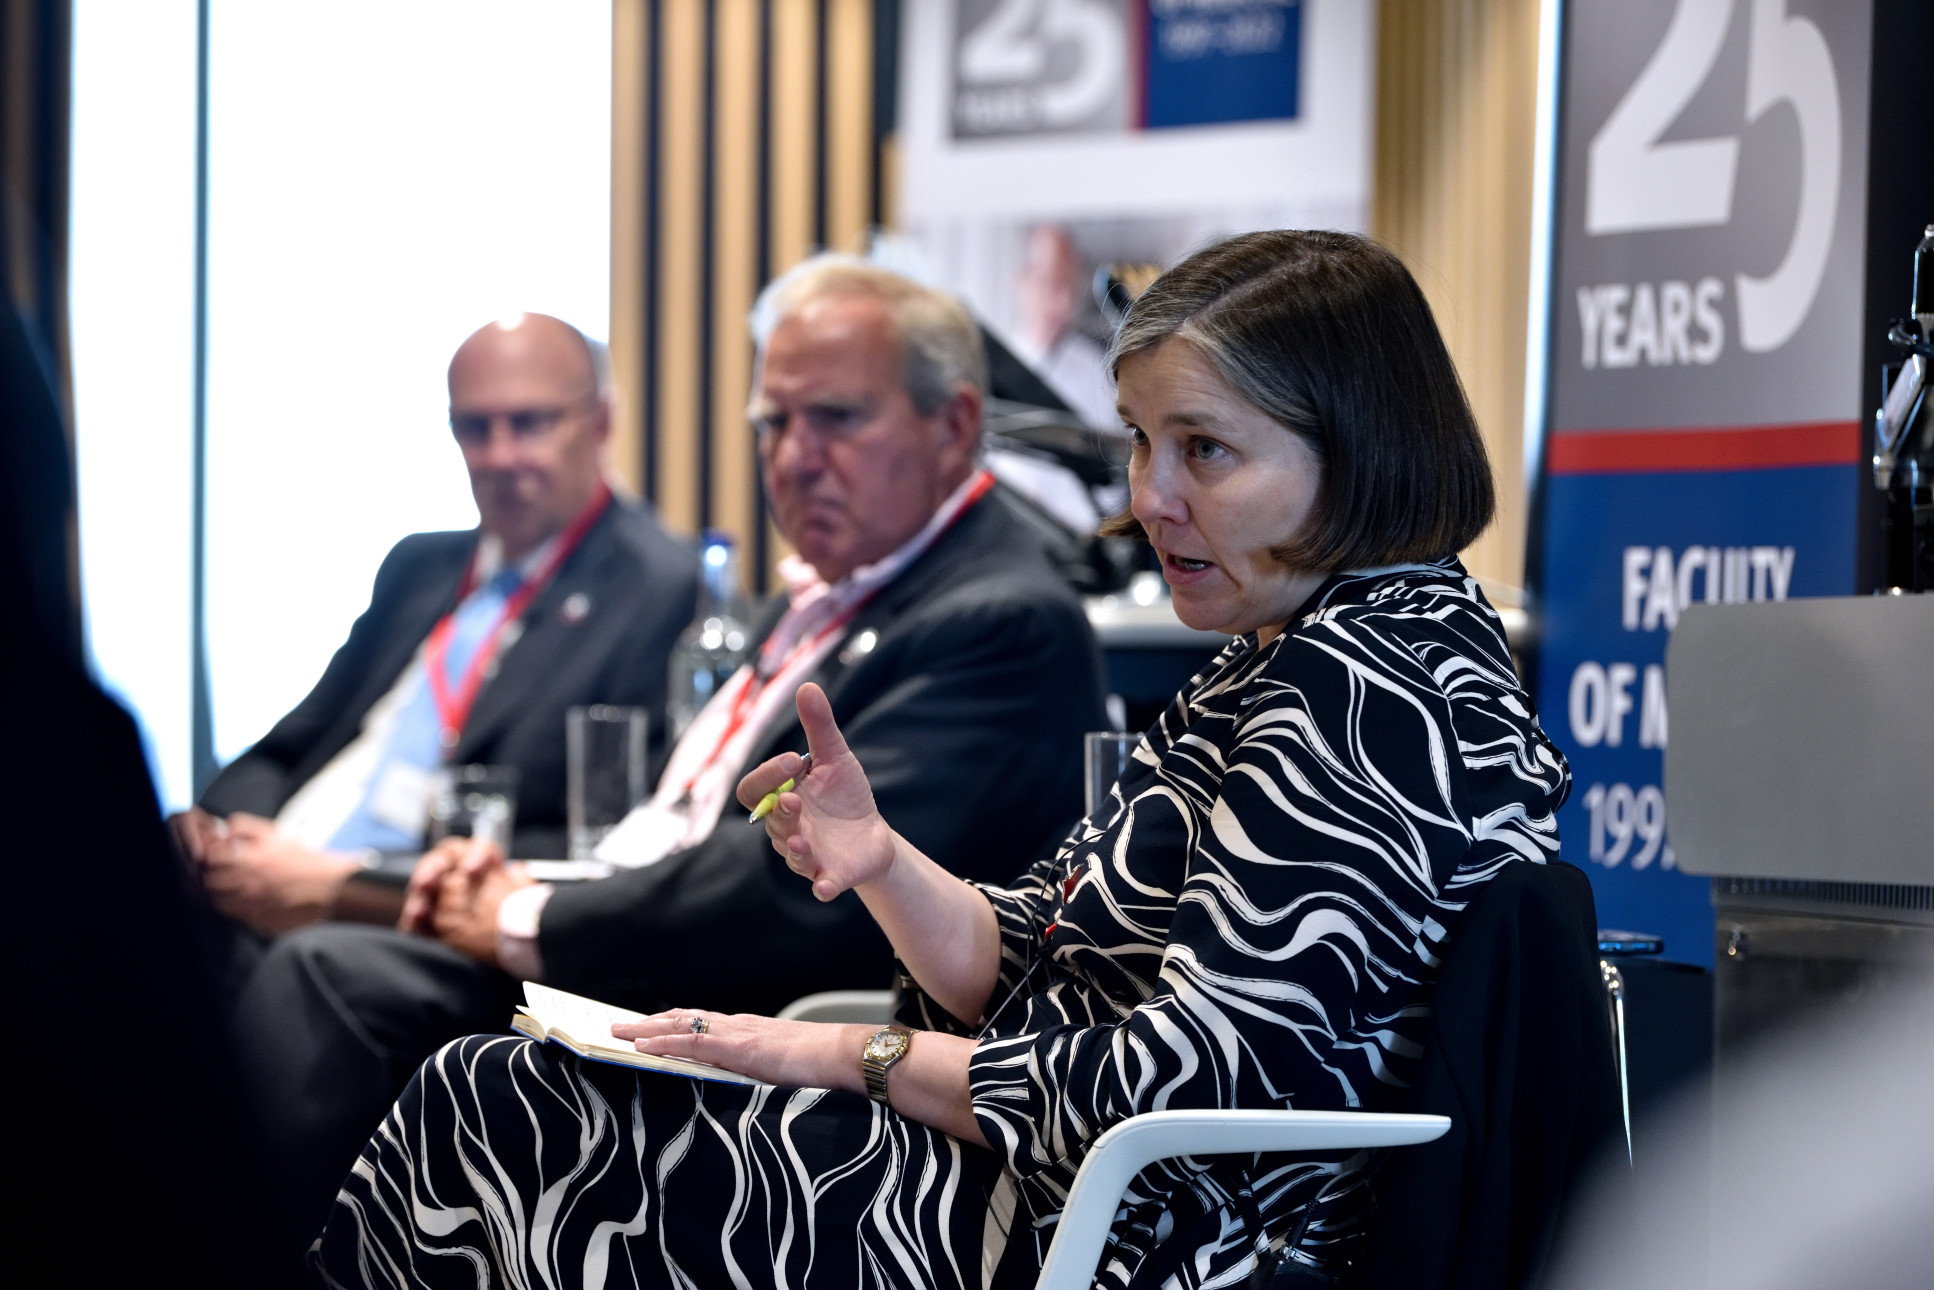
(563, 595)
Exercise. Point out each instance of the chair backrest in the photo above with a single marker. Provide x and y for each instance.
(869, 1007)
(1520, 1058)
(1130, 1146)
(1614, 981)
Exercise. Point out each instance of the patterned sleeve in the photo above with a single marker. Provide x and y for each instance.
(1305, 925)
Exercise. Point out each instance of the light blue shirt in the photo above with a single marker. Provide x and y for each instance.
(416, 740)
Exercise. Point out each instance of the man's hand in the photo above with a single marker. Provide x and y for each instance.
(272, 883)
(468, 896)
(195, 832)
(426, 882)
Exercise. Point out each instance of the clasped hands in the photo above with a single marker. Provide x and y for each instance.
(456, 891)
(257, 874)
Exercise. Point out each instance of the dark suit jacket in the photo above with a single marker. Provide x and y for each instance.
(642, 586)
(967, 713)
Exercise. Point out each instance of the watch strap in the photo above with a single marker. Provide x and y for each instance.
(874, 1069)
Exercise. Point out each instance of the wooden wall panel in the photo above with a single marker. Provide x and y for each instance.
(795, 141)
(759, 114)
(1456, 106)
(630, 89)
(793, 134)
(677, 402)
(849, 123)
(735, 153)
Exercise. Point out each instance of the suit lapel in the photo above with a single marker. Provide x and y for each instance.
(936, 567)
(790, 734)
(434, 595)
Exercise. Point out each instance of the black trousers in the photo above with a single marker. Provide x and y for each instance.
(330, 1026)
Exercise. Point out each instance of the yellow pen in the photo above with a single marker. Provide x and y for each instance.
(771, 800)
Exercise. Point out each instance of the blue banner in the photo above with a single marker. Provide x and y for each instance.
(1211, 64)
(1625, 553)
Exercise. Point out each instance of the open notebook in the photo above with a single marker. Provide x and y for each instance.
(584, 1026)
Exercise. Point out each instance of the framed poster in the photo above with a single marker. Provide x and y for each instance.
(1042, 140)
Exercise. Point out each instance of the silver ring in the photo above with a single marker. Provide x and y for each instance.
(700, 1025)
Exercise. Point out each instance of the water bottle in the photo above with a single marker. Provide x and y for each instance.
(712, 648)
(1922, 308)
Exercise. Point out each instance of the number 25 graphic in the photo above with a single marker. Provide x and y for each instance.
(1635, 183)
(1011, 44)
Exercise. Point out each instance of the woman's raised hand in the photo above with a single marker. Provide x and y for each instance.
(827, 827)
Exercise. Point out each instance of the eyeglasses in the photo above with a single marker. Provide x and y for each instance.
(472, 429)
(828, 422)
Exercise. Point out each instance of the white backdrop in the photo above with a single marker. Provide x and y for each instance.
(384, 176)
(131, 298)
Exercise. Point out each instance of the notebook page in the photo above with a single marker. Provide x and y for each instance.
(585, 1020)
(589, 1023)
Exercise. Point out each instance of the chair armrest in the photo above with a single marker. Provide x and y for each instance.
(1134, 1144)
(866, 1006)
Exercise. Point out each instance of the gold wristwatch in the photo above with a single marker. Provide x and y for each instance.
(884, 1048)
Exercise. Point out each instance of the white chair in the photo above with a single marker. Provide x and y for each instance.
(841, 1006)
(1133, 1145)
(1615, 1013)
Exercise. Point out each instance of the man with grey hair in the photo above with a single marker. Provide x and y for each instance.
(959, 666)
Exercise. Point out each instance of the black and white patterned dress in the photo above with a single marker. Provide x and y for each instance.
(1254, 920)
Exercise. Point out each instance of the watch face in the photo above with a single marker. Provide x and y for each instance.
(885, 1045)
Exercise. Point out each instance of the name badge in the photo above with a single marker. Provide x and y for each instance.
(401, 798)
(644, 837)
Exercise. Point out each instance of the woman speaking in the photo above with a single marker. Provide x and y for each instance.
(1253, 919)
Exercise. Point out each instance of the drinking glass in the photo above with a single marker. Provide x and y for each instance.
(605, 771)
(1104, 756)
(474, 801)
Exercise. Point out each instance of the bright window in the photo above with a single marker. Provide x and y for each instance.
(131, 300)
(383, 177)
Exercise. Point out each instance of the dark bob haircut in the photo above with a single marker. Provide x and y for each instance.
(1329, 335)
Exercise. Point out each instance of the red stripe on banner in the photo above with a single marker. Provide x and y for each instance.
(1606, 452)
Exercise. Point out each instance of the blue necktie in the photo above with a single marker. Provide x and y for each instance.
(416, 740)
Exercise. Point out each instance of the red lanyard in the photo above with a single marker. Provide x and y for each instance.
(748, 695)
(453, 708)
(755, 684)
